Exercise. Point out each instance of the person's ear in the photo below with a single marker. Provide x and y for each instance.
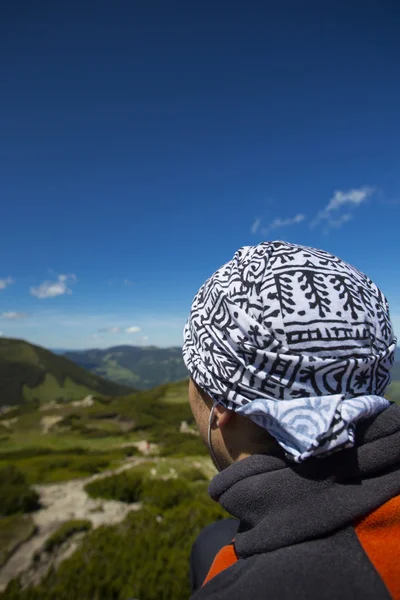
(222, 416)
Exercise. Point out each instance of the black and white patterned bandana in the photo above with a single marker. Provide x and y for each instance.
(295, 339)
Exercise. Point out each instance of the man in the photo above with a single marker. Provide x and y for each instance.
(289, 351)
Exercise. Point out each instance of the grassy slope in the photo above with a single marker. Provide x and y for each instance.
(396, 370)
(393, 392)
(14, 530)
(125, 560)
(140, 367)
(129, 559)
(28, 372)
(87, 440)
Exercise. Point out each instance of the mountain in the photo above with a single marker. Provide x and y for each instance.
(396, 371)
(141, 367)
(29, 372)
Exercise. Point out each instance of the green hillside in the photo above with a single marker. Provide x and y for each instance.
(28, 373)
(131, 449)
(154, 415)
(140, 367)
(393, 392)
(396, 371)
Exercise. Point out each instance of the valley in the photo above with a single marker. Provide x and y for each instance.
(104, 469)
(99, 491)
(141, 367)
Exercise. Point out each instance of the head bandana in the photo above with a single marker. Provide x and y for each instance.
(295, 339)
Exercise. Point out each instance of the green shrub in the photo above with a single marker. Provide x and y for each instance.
(14, 530)
(31, 451)
(193, 474)
(126, 487)
(65, 531)
(15, 494)
(181, 445)
(103, 399)
(52, 467)
(73, 421)
(135, 485)
(140, 558)
(93, 432)
(165, 493)
(28, 407)
(130, 451)
(393, 392)
(43, 465)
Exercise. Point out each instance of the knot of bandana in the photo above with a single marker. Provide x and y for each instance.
(295, 339)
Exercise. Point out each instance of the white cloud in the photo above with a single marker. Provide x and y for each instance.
(277, 223)
(115, 329)
(128, 282)
(14, 316)
(256, 225)
(132, 329)
(145, 338)
(1, 333)
(51, 289)
(6, 282)
(351, 198)
(340, 220)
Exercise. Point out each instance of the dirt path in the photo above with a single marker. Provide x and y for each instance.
(48, 422)
(62, 502)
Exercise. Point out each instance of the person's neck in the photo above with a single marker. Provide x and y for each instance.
(271, 448)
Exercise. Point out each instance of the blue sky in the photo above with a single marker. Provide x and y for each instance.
(142, 143)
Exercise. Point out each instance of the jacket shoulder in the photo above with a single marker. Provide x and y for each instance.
(321, 569)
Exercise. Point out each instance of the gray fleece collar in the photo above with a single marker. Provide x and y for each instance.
(280, 504)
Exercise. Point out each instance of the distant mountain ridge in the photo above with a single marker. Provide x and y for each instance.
(142, 367)
(29, 372)
(396, 371)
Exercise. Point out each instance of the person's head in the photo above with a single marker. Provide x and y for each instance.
(287, 347)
